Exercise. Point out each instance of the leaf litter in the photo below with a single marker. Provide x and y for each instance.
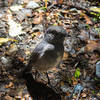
(81, 55)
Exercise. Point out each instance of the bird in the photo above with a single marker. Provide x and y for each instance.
(49, 52)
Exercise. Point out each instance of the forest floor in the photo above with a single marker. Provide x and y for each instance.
(22, 25)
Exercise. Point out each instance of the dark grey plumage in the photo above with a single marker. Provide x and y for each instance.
(49, 52)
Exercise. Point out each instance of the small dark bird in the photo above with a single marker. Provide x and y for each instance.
(49, 52)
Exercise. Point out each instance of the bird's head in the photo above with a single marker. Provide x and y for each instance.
(55, 34)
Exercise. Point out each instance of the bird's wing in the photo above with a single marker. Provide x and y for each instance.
(34, 57)
(47, 50)
(32, 61)
(39, 52)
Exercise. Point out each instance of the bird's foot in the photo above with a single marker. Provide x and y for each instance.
(50, 85)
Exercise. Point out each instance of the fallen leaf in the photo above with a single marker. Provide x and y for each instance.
(65, 56)
(74, 81)
(57, 1)
(91, 46)
(4, 40)
(77, 73)
(60, 1)
(62, 83)
(88, 20)
(9, 85)
(83, 95)
(21, 59)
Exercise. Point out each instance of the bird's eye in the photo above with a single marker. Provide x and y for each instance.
(54, 32)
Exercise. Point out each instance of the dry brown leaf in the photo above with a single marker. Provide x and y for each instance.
(83, 95)
(88, 21)
(57, 1)
(74, 80)
(60, 1)
(10, 77)
(21, 59)
(75, 83)
(62, 83)
(9, 85)
(65, 56)
(91, 46)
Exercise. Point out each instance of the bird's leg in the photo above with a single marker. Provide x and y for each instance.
(53, 87)
(48, 78)
(36, 73)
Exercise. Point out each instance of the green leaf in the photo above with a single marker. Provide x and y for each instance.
(42, 8)
(77, 73)
(93, 92)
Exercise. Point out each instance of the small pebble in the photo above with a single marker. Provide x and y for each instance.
(98, 69)
(4, 60)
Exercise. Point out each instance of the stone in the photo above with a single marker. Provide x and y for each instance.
(32, 5)
(98, 69)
